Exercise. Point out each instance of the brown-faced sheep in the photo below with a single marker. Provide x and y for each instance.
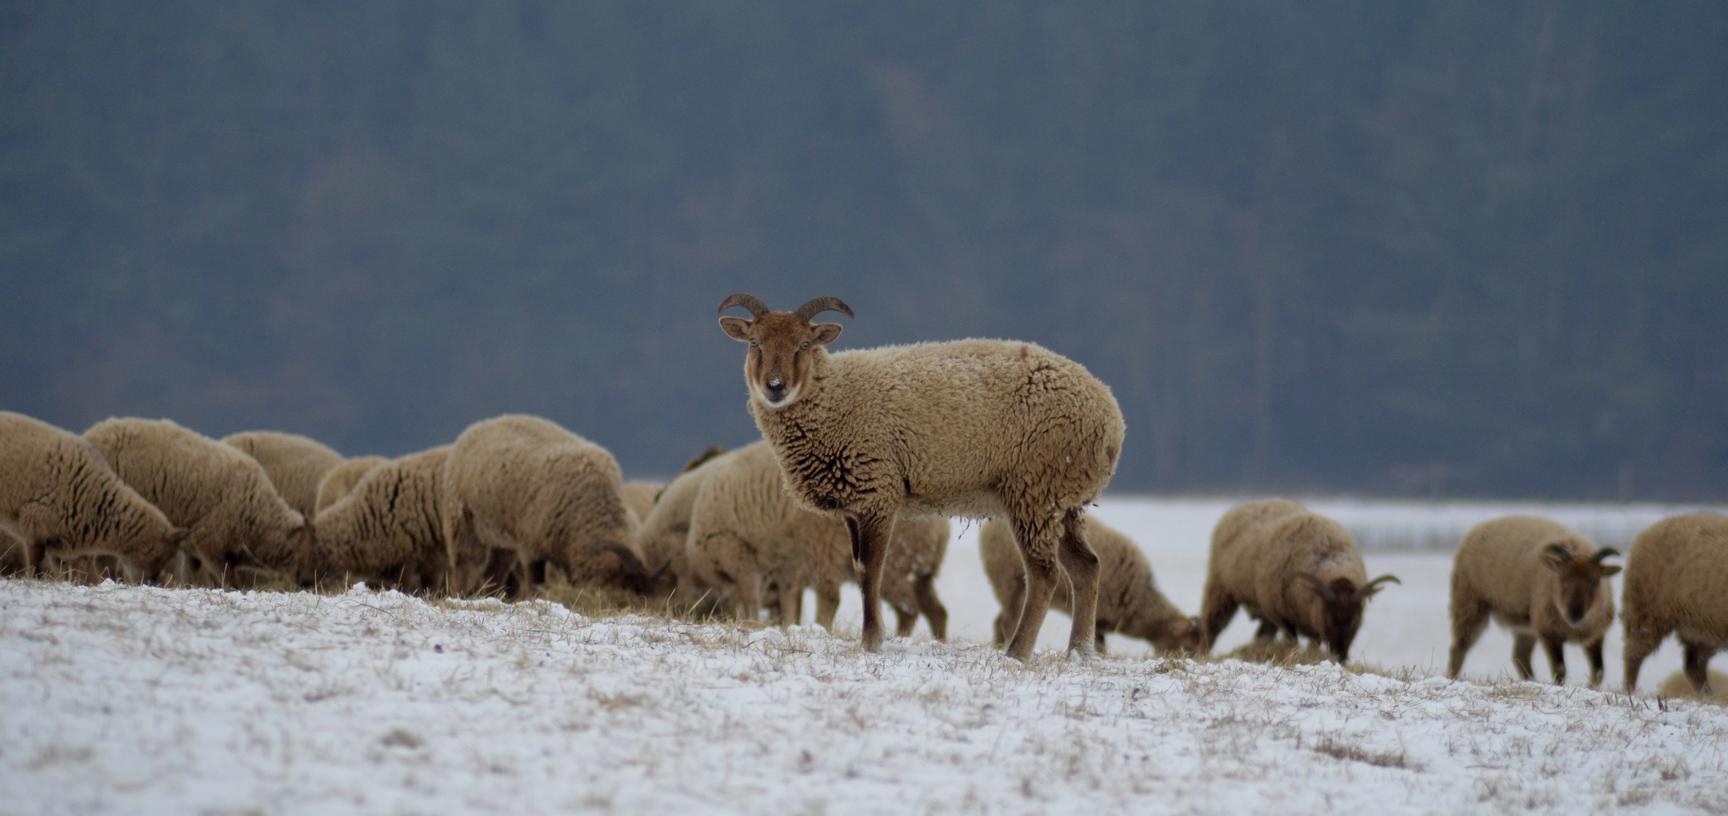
(1677, 582)
(341, 479)
(237, 518)
(748, 533)
(976, 428)
(389, 530)
(1539, 579)
(1129, 602)
(527, 486)
(294, 463)
(1294, 570)
(60, 498)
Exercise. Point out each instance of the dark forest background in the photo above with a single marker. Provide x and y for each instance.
(1393, 248)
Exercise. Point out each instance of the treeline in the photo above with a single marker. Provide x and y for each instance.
(1414, 248)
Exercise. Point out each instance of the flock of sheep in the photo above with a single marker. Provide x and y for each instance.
(864, 454)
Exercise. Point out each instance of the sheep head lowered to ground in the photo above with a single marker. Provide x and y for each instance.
(975, 428)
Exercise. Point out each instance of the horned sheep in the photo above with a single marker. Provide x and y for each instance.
(294, 463)
(1539, 579)
(1675, 579)
(747, 533)
(389, 529)
(971, 427)
(59, 497)
(546, 496)
(341, 479)
(238, 520)
(1294, 570)
(1128, 598)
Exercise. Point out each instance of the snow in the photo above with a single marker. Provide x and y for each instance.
(119, 699)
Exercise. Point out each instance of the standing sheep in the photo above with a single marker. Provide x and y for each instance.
(341, 479)
(547, 496)
(1677, 582)
(972, 427)
(294, 463)
(389, 529)
(1128, 598)
(1296, 571)
(60, 498)
(1539, 579)
(748, 533)
(237, 517)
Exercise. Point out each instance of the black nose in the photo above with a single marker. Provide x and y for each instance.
(776, 390)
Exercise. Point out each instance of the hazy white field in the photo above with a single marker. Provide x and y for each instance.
(139, 700)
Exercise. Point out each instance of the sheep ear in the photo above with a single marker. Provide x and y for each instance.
(826, 333)
(1556, 555)
(736, 328)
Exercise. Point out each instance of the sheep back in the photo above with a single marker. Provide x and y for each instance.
(294, 463)
(341, 479)
(390, 527)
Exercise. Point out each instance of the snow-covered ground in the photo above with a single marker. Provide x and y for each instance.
(138, 700)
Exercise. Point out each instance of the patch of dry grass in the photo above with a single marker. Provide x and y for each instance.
(1355, 753)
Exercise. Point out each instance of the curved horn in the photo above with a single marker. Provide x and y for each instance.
(1605, 552)
(754, 304)
(816, 306)
(1374, 585)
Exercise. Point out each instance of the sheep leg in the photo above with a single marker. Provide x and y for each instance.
(1523, 646)
(1593, 653)
(1081, 565)
(35, 556)
(791, 605)
(1637, 648)
(827, 604)
(1555, 647)
(1098, 642)
(1696, 666)
(904, 621)
(1468, 621)
(1038, 556)
(1216, 610)
(1016, 598)
(1267, 631)
(935, 614)
(871, 535)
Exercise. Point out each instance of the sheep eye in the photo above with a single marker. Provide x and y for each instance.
(804, 345)
(754, 344)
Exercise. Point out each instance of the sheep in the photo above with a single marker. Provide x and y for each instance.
(547, 496)
(748, 533)
(237, 517)
(389, 528)
(294, 463)
(1674, 584)
(1679, 685)
(341, 479)
(973, 428)
(1128, 598)
(1295, 571)
(664, 531)
(1539, 579)
(59, 497)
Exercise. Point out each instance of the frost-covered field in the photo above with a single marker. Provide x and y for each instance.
(130, 700)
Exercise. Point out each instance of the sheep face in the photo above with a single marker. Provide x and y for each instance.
(1180, 638)
(1341, 604)
(783, 345)
(1579, 582)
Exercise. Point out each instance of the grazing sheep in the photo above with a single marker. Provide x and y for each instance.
(1539, 579)
(341, 479)
(525, 485)
(59, 498)
(237, 517)
(1675, 580)
(1128, 598)
(747, 533)
(639, 496)
(389, 529)
(665, 530)
(972, 427)
(294, 463)
(1294, 570)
